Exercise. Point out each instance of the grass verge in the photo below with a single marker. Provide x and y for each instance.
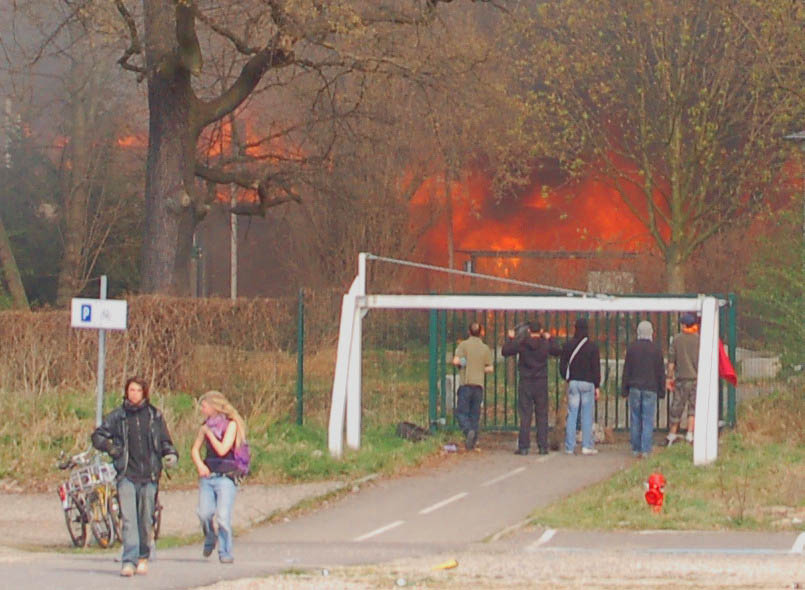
(282, 451)
(757, 482)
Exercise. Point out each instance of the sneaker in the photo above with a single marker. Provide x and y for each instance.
(470, 442)
(586, 451)
(569, 452)
(127, 570)
(543, 451)
(226, 560)
(689, 436)
(207, 551)
(142, 567)
(521, 452)
(671, 439)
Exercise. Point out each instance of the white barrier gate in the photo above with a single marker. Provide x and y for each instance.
(346, 396)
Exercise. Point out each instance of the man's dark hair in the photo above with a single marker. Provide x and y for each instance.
(139, 381)
(475, 329)
(534, 326)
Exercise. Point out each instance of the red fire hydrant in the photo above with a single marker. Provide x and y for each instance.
(654, 491)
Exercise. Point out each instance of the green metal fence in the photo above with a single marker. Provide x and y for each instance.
(426, 341)
(611, 331)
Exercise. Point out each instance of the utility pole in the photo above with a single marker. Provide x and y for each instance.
(233, 218)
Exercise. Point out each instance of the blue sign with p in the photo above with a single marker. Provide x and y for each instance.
(86, 313)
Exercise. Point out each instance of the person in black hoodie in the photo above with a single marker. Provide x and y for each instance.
(136, 438)
(580, 366)
(533, 347)
(643, 383)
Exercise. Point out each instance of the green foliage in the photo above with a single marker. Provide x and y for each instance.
(776, 286)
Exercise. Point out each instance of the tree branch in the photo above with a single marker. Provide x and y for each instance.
(278, 54)
(135, 47)
(189, 48)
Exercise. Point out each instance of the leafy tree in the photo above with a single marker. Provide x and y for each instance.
(671, 101)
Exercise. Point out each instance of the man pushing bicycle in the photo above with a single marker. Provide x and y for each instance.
(137, 439)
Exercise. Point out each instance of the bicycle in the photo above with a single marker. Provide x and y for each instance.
(89, 497)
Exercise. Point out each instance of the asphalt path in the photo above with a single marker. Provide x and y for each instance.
(472, 499)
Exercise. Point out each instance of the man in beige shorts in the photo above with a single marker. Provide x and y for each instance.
(683, 369)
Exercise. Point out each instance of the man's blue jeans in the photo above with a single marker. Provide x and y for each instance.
(642, 407)
(468, 407)
(137, 510)
(580, 396)
(216, 497)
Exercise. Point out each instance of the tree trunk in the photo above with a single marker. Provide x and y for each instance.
(76, 203)
(169, 173)
(674, 275)
(11, 272)
(184, 253)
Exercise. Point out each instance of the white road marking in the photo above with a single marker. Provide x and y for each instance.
(546, 536)
(502, 477)
(379, 531)
(799, 544)
(443, 503)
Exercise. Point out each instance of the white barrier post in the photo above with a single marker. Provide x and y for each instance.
(705, 437)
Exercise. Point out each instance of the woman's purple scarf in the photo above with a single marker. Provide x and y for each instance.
(217, 424)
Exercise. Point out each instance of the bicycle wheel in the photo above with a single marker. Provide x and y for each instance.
(76, 521)
(157, 519)
(113, 509)
(100, 523)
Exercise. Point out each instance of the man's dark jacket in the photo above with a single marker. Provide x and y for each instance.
(533, 360)
(644, 368)
(586, 365)
(112, 437)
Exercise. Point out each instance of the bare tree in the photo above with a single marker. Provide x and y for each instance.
(277, 43)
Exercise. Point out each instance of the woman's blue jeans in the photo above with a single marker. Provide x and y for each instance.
(642, 407)
(216, 497)
(580, 397)
(137, 511)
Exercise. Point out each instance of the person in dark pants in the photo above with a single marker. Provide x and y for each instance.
(533, 346)
(474, 359)
(643, 384)
(136, 438)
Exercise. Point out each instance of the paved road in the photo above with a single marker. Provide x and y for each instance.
(451, 508)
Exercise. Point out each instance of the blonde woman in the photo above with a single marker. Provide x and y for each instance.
(222, 432)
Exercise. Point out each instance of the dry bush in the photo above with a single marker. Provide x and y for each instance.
(165, 342)
(774, 418)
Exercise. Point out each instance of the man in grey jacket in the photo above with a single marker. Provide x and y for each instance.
(643, 384)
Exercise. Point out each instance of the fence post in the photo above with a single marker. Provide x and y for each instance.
(300, 358)
(432, 367)
(732, 341)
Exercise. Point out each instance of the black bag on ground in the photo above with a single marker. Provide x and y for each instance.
(410, 431)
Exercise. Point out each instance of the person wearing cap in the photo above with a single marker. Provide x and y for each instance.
(136, 437)
(474, 358)
(532, 345)
(683, 370)
(580, 365)
(643, 383)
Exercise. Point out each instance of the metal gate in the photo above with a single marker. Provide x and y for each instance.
(611, 331)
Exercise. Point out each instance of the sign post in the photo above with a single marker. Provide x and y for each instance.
(99, 314)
